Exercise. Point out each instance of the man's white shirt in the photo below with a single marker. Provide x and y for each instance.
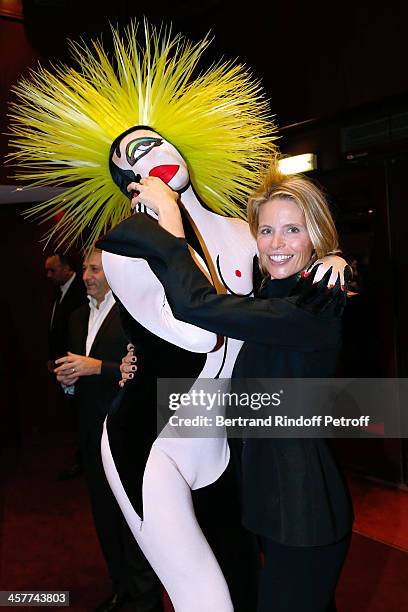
(97, 315)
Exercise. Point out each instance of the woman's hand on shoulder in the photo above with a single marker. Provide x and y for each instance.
(323, 287)
(340, 270)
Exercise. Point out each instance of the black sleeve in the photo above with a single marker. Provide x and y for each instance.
(194, 300)
(110, 371)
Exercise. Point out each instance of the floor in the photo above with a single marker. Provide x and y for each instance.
(47, 539)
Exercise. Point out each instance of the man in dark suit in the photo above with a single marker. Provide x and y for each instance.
(70, 293)
(91, 371)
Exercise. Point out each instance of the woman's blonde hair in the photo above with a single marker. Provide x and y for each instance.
(311, 201)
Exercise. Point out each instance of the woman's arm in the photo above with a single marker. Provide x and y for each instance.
(194, 300)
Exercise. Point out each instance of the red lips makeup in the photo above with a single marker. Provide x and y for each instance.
(165, 172)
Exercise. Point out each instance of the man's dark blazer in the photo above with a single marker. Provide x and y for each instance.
(94, 394)
(58, 332)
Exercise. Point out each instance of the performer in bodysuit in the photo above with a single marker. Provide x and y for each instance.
(208, 136)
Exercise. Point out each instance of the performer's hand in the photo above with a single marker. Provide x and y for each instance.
(75, 366)
(128, 366)
(153, 193)
(162, 200)
(338, 265)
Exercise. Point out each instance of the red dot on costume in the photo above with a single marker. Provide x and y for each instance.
(238, 273)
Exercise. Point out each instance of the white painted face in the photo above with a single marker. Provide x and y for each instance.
(148, 154)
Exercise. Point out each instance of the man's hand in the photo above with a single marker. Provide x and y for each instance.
(67, 381)
(72, 366)
(128, 366)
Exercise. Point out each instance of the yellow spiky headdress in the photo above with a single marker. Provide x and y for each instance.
(65, 119)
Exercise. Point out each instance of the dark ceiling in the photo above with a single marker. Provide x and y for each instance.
(315, 59)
